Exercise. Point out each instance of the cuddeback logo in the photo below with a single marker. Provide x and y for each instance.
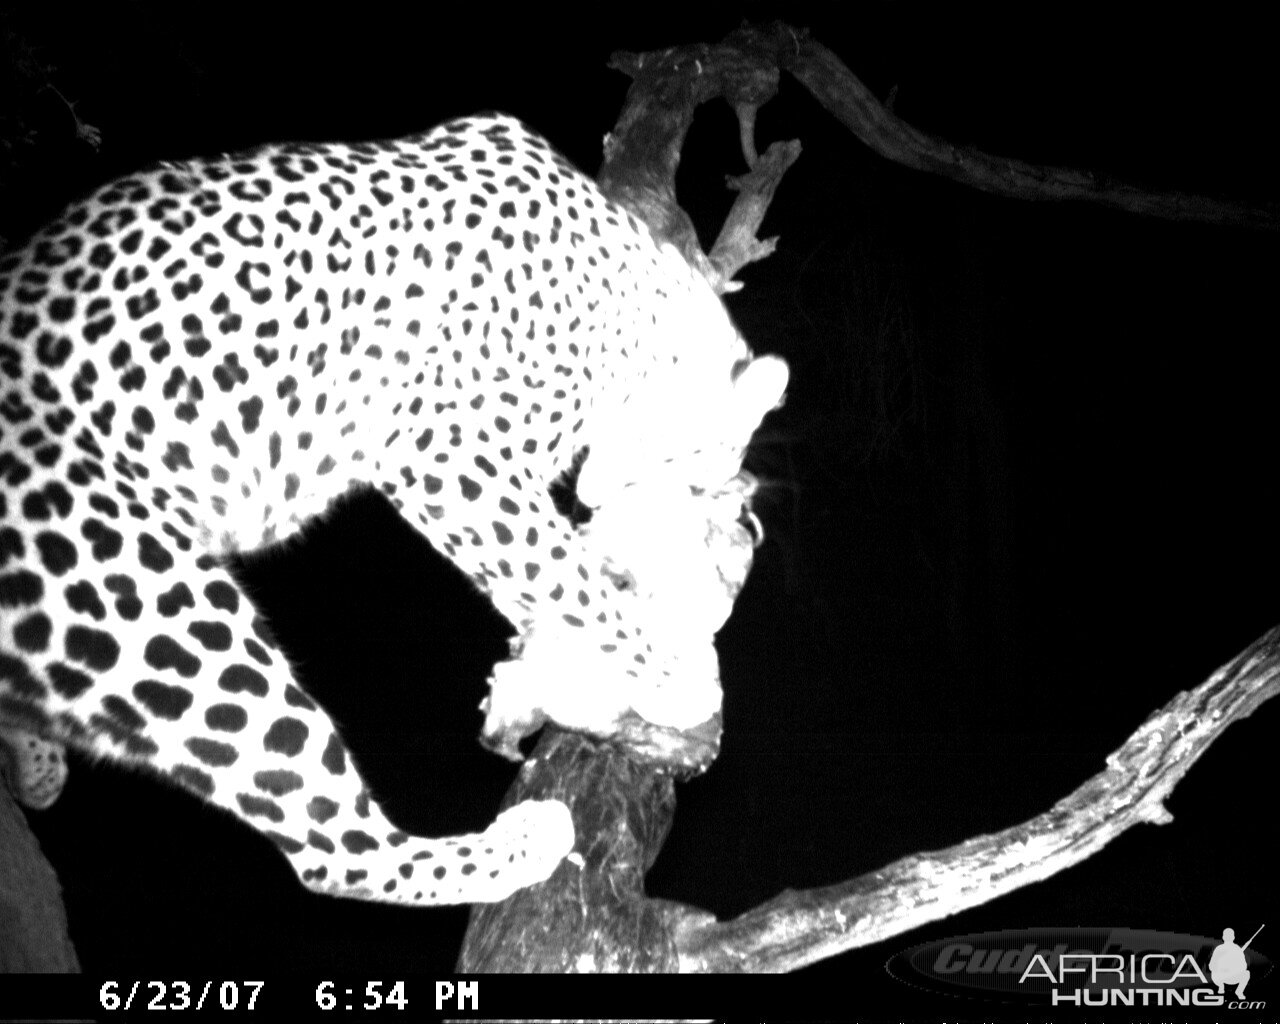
(1089, 967)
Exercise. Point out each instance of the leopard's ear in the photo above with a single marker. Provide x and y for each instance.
(760, 386)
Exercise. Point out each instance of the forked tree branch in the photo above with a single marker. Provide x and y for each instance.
(744, 69)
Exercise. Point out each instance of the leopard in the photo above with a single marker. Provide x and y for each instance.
(200, 359)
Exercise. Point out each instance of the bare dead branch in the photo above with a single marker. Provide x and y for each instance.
(841, 93)
(737, 244)
(642, 153)
(799, 928)
(744, 69)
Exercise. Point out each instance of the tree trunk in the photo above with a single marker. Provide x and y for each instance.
(33, 921)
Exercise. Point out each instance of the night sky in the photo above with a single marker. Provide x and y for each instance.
(1020, 494)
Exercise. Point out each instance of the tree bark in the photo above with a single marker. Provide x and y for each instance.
(33, 920)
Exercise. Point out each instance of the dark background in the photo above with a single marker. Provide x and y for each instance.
(1021, 493)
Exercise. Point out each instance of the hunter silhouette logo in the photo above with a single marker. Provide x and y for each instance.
(1090, 967)
(1227, 965)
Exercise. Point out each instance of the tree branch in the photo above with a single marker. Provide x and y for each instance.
(642, 153)
(744, 69)
(799, 928)
(843, 95)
